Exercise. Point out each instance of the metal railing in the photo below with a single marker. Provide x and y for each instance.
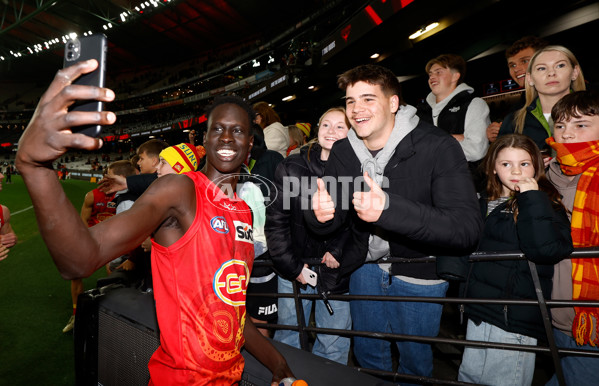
(544, 304)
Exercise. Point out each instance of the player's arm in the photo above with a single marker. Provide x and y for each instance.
(87, 207)
(7, 235)
(261, 348)
(76, 250)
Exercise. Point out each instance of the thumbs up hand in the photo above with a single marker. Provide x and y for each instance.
(322, 204)
(370, 205)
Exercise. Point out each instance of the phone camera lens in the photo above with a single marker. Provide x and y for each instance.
(70, 46)
(69, 55)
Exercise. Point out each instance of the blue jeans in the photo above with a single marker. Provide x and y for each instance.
(489, 366)
(409, 318)
(578, 370)
(333, 347)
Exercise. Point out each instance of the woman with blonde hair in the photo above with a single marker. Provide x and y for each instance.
(552, 72)
(293, 245)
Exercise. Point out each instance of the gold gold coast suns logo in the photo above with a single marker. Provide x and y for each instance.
(230, 282)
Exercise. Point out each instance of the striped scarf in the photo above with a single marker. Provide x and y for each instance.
(583, 158)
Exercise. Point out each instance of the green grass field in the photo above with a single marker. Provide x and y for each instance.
(35, 302)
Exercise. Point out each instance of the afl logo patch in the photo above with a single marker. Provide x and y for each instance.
(231, 281)
(219, 225)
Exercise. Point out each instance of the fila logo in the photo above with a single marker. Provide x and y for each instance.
(454, 109)
(219, 225)
(243, 232)
(268, 310)
(230, 282)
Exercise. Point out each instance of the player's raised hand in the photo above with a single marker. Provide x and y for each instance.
(322, 204)
(48, 134)
(370, 205)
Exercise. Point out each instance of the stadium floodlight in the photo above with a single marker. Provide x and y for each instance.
(423, 30)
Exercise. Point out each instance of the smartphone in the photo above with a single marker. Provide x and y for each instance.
(310, 276)
(80, 49)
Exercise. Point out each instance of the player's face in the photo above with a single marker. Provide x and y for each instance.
(518, 64)
(146, 163)
(582, 129)
(228, 140)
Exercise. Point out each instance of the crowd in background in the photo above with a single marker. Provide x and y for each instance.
(516, 164)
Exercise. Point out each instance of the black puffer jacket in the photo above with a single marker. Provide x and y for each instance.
(290, 242)
(542, 233)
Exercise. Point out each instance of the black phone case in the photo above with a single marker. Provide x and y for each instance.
(81, 49)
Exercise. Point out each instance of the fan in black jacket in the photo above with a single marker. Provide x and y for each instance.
(292, 245)
(429, 208)
(523, 212)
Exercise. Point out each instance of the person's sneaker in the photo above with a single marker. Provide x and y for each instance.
(70, 324)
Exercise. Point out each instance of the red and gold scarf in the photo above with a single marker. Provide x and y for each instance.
(583, 158)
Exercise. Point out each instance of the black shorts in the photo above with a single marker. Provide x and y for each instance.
(259, 307)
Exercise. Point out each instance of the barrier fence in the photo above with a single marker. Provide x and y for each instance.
(544, 304)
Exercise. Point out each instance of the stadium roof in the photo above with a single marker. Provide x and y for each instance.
(143, 33)
(164, 32)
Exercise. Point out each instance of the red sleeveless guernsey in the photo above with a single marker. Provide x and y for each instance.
(200, 287)
(102, 208)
